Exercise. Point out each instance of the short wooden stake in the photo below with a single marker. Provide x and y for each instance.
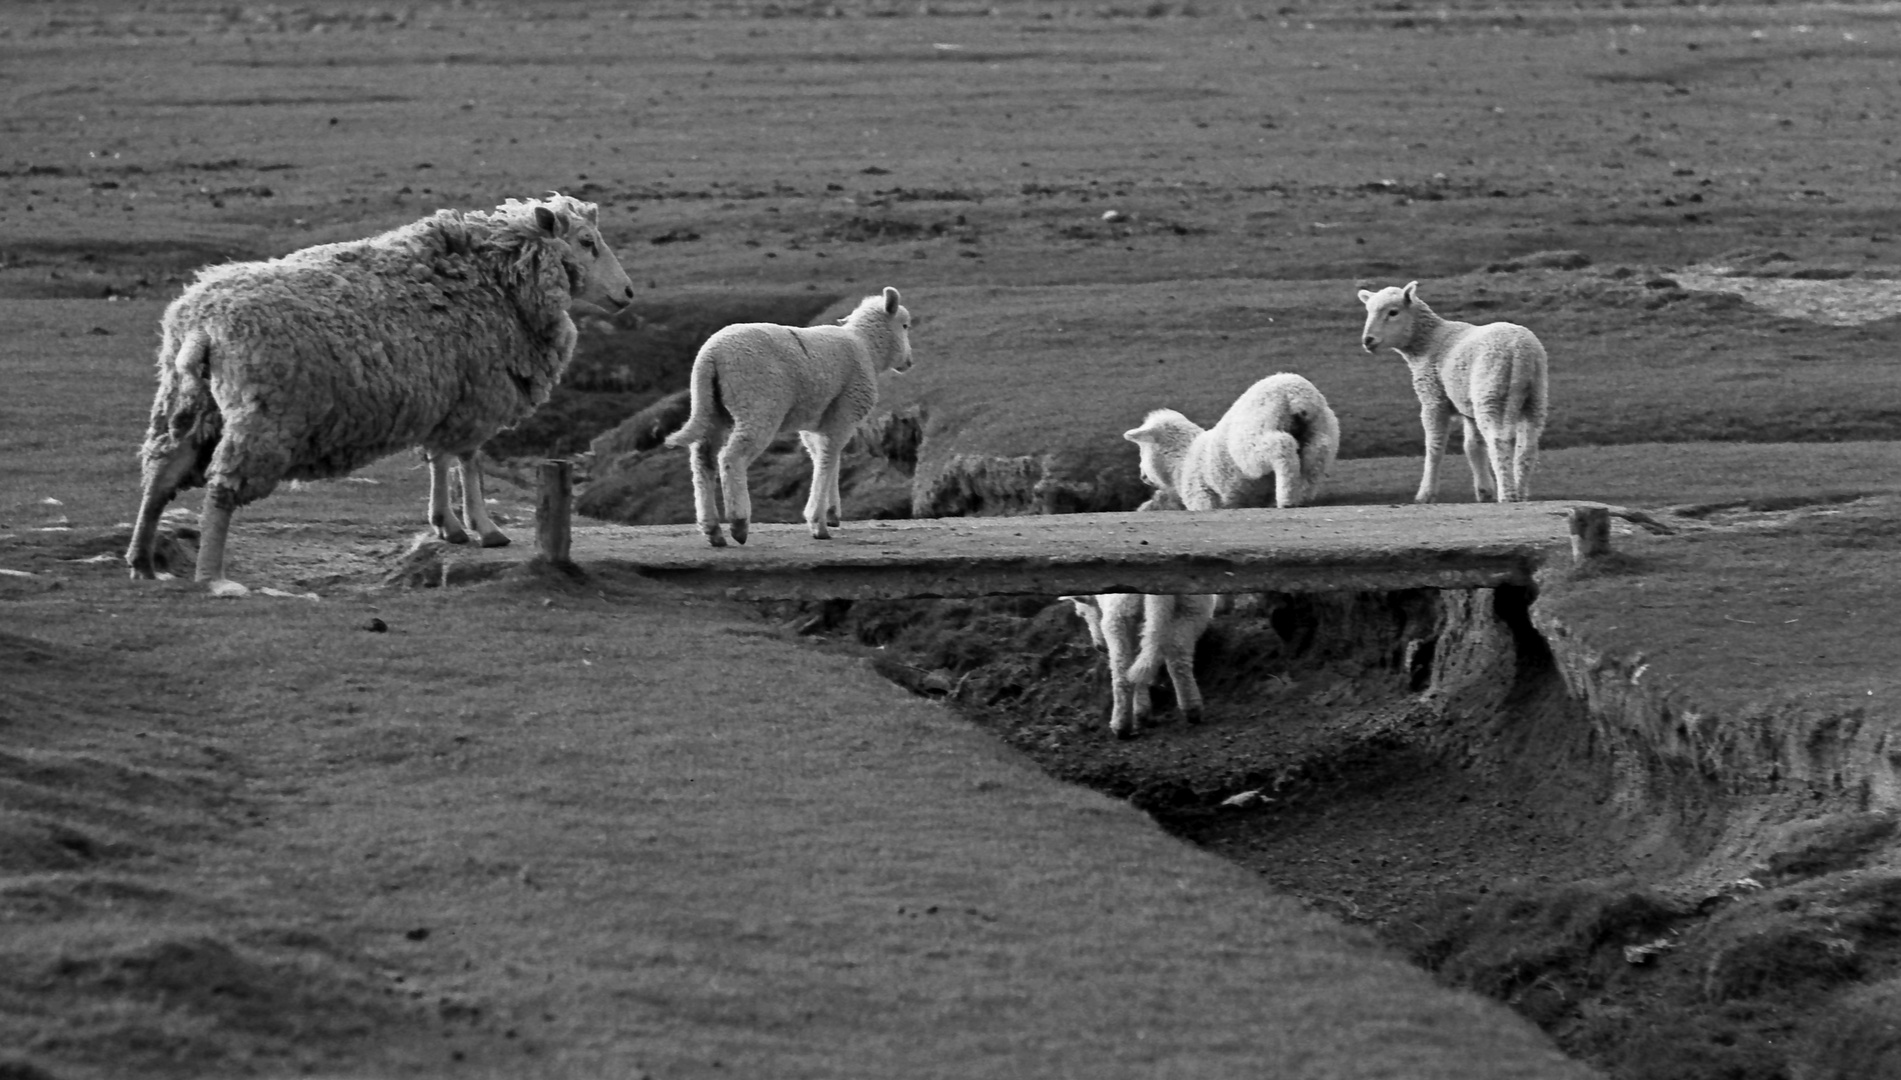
(553, 531)
(1590, 533)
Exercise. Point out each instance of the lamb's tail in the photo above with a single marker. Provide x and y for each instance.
(1158, 614)
(705, 410)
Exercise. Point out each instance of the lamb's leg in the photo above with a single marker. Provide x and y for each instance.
(1121, 628)
(475, 502)
(821, 506)
(161, 484)
(734, 458)
(441, 518)
(1502, 443)
(706, 494)
(1191, 617)
(1436, 422)
(1479, 460)
(1525, 458)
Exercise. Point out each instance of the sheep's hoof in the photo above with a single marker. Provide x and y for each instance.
(740, 529)
(1192, 716)
(142, 570)
(1125, 732)
(495, 539)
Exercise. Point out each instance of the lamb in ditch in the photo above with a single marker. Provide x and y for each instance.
(437, 334)
(752, 382)
(1140, 635)
(1493, 377)
(1280, 435)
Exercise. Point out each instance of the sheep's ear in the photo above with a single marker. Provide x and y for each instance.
(1365, 296)
(549, 222)
(1142, 434)
(890, 300)
(1406, 294)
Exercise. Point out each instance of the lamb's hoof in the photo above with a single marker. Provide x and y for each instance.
(831, 520)
(495, 539)
(1192, 716)
(716, 538)
(1125, 732)
(740, 529)
(451, 536)
(820, 532)
(142, 571)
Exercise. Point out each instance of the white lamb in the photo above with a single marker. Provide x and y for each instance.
(1279, 432)
(1155, 631)
(1493, 377)
(755, 381)
(437, 334)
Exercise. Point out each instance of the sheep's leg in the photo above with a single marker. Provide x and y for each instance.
(706, 493)
(734, 458)
(214, 525)
(441, 518)
(1129, 703)
(821, 506)
(161, 484)
(1436, 422)
(1524, 458)
(475, 502)
(1479, 460)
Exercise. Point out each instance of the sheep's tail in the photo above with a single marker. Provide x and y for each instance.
(1158, 613)
(185, 409)
(704, 390)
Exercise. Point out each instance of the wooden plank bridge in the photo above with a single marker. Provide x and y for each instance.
(1309, 549)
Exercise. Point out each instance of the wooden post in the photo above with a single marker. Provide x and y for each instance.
(1590, 533)
(553, 534)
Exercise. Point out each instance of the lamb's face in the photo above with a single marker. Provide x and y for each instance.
(1150, 440)
(899, 317)
(1092, 618)
(1389, 317)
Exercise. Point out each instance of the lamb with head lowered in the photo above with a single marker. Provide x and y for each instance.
(1276, 442)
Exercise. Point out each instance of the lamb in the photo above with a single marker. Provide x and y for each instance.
(1492, 376)
(437, 334)
(1281, 428)
(752, 382)
(1167, 628)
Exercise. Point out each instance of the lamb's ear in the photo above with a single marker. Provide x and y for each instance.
(890, 300)
(1406, 294)
(1143, 434)
(1365, 296)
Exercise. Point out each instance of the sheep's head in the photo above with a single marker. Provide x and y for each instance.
(887, 309)
(595, 276)
(1389, 316)
(1163, 439)
(1091, 613)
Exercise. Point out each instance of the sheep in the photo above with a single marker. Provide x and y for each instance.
(1280, 427)
(1166, 629)
(437, 334)
(1492, 376)
(754, 381)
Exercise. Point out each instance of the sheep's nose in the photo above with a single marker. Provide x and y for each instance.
(1367, 343)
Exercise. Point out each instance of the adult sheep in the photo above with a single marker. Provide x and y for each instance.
(752, 382)
(1493, 377)
(437, 334)
(1279, 432)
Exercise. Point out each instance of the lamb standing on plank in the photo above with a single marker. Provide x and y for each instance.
(755, 381)
(437, 334)
(1493, 377)
(1279, 432)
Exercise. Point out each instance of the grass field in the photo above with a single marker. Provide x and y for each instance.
(541, 827)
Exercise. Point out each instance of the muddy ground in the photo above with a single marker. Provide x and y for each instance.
(1710, 166)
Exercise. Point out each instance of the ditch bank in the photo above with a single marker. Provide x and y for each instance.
(1668, 892)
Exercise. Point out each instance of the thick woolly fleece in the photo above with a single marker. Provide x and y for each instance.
(1273, 446)
(437, 334)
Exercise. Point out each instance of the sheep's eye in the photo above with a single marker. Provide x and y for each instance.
(1392, 313)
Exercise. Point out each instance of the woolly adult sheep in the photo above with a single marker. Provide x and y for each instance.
(1279, 432)
(752, 382)
(437, 334)
(1493, 377)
